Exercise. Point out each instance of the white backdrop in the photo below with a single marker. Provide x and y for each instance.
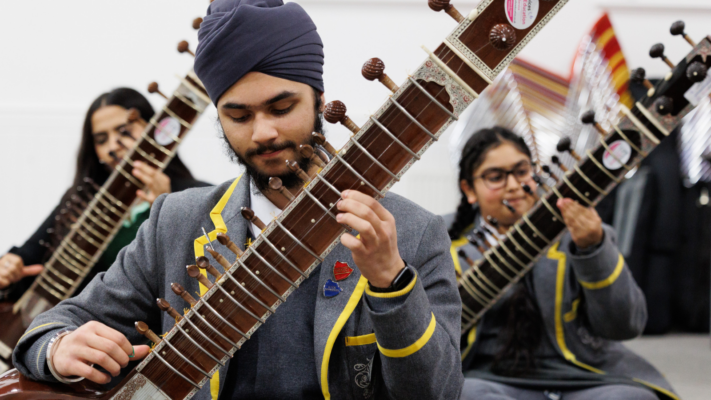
(58, 56)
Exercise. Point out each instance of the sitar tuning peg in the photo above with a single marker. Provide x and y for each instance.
(225, 241)
(439, 5)
(249, 215)
(196, 23)
(307, 151)
(180, 291)
(493, 221)
(664, 105)
(321, 141)
(539, 182)
(547, 170)
(466, 258)
(47, 245)
(165, 307)
(335, 112)
(184, 47)
(144, 330)
(565, 145)
(556, 161)
(696, 72)
(473, 239)
(588, 118)
(153, 88)
(375, 69)
(638, 77)
(657, 51)
(508, 206)
(194, 272)
(92, 184)
(480, 233)
(677, 29)
(529, 191)
(203, 263)
(276, 185)
(295, 168)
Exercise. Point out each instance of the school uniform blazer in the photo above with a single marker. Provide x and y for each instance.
(409, 351)
(589, 303)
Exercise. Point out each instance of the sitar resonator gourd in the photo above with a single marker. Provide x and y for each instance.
(291, 246)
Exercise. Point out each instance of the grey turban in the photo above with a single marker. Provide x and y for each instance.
(267, 36)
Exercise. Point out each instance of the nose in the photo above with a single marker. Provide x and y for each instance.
(512, 183)
(264, 130)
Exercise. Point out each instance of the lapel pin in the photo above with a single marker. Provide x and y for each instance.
(341, 271)
(331, 289)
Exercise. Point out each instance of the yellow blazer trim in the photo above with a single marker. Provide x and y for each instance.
(340, 322)
(471, 338)
(199, 246)
(453, 251)
(554, 254)
(657, 388)
(607, 281)
(40, 326)
(413, 348)
(407, 289)
(360, 340)
(572, 314)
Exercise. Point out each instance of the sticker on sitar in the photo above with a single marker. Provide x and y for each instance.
(621, 153)
(521, 13)
(168, 128)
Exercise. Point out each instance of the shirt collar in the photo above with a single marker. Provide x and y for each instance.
(262, 207)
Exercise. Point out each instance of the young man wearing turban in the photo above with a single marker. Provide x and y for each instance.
(394, 336)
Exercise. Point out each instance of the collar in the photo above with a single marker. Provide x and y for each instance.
(262, 207)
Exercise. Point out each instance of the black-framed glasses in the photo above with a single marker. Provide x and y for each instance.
(495, 178)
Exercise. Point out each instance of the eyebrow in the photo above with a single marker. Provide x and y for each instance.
(281, 96)
(105, 132)
(500, 168)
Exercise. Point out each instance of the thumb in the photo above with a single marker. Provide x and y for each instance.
(140, 352)
(32, 270)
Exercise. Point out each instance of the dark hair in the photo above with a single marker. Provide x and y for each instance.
(472, 157)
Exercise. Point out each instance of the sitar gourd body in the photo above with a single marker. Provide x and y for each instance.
(294, 244)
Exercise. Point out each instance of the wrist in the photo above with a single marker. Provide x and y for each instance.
(399, 282)
(386, 278)
(52, 350)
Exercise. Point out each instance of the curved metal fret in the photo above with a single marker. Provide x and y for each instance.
(327, 183)
(359, 176)
(479, 284)
(527, 239)
(101, 214)
(432, 99)
(623, 136)
(244, 289)
(187, 360)
(574, 189)
(511, 254)
(486, 280)
(59, 275)
(54, 283)
(155, 353)
(276, 271)
(551, 209)
(394, 138)
(638, 124)
(613, 155)
(149, 157)
(412, 118)
(156, 145)
(535, 230)
(109, 206)
(217, 331)
(496, 267)
(87, 238)
(375, 160)
(207, 353)
(651, 118)
(315, 200)
(183, 122)
(472, 292)
(128, 177)
(97, 222)
(518, 246)
(503, 260)
(77, 269)
(467, 310)
(283, 257)
(261, 282)
(93, 231)
(76, 252)
(224, 321)
(603, 169)
(297, 241)
(212, 342)
(49, 290)
(113, 199)
(590, 182)
(238, 304)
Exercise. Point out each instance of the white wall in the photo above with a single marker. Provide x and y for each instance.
(57, 56)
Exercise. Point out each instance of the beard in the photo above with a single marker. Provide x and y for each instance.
(289, 179)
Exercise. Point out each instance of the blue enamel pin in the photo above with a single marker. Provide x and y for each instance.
(331, 289)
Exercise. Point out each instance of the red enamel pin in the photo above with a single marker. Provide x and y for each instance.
(341, 271)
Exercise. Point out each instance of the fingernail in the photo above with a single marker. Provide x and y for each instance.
(344, 194)
(339, 217)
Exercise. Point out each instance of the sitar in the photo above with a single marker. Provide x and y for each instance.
(293, 244)
(620, 149)
(103, 216)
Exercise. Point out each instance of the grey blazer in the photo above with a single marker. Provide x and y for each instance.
(589, 303)
(416, 354)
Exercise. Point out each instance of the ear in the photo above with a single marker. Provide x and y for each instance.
(323, 102)
(468, 191)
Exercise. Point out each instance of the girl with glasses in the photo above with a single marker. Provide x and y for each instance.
(556, 333)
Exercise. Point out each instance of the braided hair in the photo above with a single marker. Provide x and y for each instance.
(473, 156)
